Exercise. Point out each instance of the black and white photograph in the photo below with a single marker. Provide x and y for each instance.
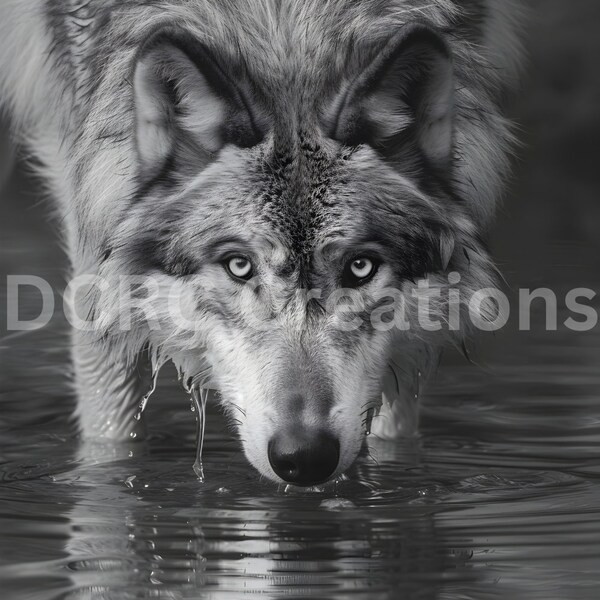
(299, 299)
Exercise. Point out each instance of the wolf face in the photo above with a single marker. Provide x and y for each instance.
(281, 228)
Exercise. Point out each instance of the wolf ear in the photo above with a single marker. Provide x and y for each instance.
(185, 102)
(405, 96)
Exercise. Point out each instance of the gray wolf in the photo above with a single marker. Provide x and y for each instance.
(242, 153)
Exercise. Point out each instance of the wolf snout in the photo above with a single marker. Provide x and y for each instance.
(304, 457)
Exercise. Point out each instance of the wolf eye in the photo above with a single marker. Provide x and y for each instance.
(239, 267)
(359, 271)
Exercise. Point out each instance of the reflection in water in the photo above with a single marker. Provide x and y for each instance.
(226, 545)
(118, 536)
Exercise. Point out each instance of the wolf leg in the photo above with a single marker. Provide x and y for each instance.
(108, 391)
(399, 413)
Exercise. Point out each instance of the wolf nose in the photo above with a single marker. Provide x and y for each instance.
(304, 458)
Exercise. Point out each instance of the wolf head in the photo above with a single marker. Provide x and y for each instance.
(283, 216)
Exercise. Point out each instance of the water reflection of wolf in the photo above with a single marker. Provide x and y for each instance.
(129, 539)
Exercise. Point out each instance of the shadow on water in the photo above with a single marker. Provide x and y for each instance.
(499, 497)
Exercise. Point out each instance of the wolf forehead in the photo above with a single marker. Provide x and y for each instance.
(296, 199)
(293, 148)
(297, 185)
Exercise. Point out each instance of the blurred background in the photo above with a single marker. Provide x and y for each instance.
(548, 227)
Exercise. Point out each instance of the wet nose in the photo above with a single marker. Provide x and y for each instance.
(304, 457)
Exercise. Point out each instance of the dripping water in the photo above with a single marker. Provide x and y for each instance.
(156, 365)
(199, 398)
(144, 402)
(196, 387)
(418, 385)
(369, 423)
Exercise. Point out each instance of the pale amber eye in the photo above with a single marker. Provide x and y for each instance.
(359, 271)
(362, 268)
(239, 267)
